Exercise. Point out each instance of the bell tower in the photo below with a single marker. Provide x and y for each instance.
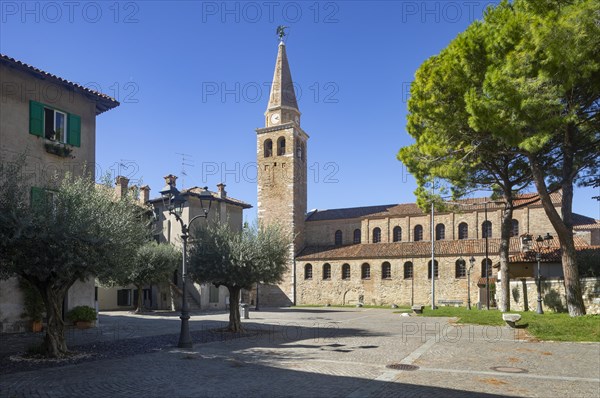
(281, 158)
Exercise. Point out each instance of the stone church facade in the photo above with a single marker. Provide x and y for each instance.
(382, 255)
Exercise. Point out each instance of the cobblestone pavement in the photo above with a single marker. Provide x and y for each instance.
(325, 352)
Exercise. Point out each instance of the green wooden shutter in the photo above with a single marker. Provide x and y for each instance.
(36, 118)
(37, 196)
(74, 130)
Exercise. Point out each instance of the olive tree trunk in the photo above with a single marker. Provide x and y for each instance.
(140, 303)
(54, 341)
(235, 323)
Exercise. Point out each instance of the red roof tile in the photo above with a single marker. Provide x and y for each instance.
(406, 209)
(552, 255)
(465, 248)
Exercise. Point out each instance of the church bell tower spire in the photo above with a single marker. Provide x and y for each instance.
(281, 160)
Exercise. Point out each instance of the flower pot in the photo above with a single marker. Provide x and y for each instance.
(36, 326)
(83, 324)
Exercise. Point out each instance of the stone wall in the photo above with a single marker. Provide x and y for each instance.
(282, 198)
(378, 291)
(322, 233)
(531, 220)
(553, 295)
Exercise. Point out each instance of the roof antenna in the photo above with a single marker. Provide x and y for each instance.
(185, 161)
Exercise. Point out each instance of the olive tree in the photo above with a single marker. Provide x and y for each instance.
(238, 259)
(68, 231)
(153, 263)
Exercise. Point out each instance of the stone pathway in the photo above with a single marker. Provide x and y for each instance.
(327, 352)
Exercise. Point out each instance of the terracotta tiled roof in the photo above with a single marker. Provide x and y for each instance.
(464, 247)
(351, 212)
(406, 209)
(579, 220)
(587, 226)
(552, 255)
(195, 191)
(103, 101)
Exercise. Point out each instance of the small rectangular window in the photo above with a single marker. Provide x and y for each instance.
(55, 125)
(124, 297)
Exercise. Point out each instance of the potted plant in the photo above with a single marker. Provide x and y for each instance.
(33, 304)
(57, 148)
(82, 316)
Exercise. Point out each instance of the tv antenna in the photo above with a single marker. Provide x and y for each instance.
(186, 161)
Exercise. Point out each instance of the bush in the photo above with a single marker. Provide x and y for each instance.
(82, 313)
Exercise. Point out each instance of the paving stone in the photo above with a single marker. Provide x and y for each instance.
(320, 352)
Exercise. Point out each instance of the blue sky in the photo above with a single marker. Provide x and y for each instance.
(193, 77)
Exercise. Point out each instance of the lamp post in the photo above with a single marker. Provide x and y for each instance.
(256, 308)
(487, 267)
(174, 201)
(471, 265)
(433, 307)
(540, 243)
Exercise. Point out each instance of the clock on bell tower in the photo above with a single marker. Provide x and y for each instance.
(281, 161)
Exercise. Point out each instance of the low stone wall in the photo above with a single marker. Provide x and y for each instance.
(524, 295)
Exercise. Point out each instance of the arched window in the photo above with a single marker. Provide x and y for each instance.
(338, 237)
(435, 269)
(460, 268)
(365, 271)
(268, 148)
(440, 232)
(489, 267)
(326, 271)
(281, 146)
(514, 231)
(376, 235)
(308, 271)
(298, 149)
(357, 236)
(303, 151)
(386, 270)
(486, 229)
(463, 230)
(346, 271)
(418, 235)
(397, 234)
(408, 270)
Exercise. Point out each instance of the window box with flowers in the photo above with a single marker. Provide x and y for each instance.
(60, 130)
(57, 148)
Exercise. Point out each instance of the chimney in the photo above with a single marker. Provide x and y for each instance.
(144, 194)
(121, 186)
(221, 190)
(171, 180)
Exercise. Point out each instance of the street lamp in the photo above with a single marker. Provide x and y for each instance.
(487, 260)
(256, 308)
(472, 264)
(540, 243)
(486, 232)
(174, 201)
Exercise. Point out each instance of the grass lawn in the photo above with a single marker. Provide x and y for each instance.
(548, 326)
(385, 307)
